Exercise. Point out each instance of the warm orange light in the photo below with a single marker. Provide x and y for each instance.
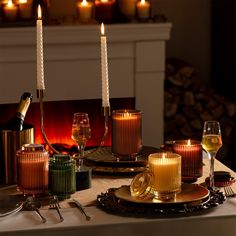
(22, 1)
(102, 29)
(142, 2)
(84, 3)
(10, 3)
(39, 12)
(163, 155)
(189, 143)
(104, 0)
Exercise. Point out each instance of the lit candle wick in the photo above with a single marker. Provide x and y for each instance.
(39, 13)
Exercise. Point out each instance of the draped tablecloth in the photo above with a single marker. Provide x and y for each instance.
(220, 220)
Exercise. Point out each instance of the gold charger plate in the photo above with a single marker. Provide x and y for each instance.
(189, 193)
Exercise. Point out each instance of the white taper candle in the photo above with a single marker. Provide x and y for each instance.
(104, 67)
(40, 67)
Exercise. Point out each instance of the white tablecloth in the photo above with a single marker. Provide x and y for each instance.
(220, 220)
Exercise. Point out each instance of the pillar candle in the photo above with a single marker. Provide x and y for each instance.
(126, 133)
(104, 69)
(25, 9)
(10, 11)
(104, 10)
(85, 11)
(143, 10)
(166, 170)
(191, 152)
(40, 66)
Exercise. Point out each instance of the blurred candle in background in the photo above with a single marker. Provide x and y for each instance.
(10, 11)
(191, 152)
(143, 10)
(126, 133)
(128, 8)
(25, 9)
(104, 68)
(84, 11)
(105, 11)
(40, 66)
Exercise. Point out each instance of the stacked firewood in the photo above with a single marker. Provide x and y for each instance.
(189, 102)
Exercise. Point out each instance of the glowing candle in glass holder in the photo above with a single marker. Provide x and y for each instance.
(85, 11)
(191, 152)
(126, 133)
(104, 10)
(32, 169)
(25, 9)
(143, 10)
(166, 170)
(10, 11)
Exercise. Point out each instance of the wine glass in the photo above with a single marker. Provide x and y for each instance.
(211, 143)
(81, 132)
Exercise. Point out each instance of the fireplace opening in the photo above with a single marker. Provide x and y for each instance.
(58, 116)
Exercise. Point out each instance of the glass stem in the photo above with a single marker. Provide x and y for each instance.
(81, 155)
(212, 159)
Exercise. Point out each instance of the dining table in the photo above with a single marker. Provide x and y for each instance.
(218, 220)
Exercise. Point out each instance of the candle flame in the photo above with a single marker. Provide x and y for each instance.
(142, 2)
(84, 3)
(189, 143)
(39, 12)
(104, 0)
(102, 29)
(10, 3)
(163, 155)
(22, 1)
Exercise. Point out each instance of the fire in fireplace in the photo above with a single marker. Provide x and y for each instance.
(58, 117)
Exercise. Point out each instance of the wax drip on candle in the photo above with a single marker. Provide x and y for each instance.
(40, 66)
(104, 66)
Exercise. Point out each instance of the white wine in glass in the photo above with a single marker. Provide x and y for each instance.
(81, 132)
(211, 143)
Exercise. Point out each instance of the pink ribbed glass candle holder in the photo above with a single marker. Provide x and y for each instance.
(32, 166)
(126, 133)
(191, 152)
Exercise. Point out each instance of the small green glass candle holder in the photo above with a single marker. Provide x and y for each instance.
(62, 181)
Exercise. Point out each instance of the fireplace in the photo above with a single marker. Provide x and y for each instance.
(136, 61)
(58, 120)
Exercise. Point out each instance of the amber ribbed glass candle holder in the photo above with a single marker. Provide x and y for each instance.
(32, 166)
(126, 133)
(191, 152)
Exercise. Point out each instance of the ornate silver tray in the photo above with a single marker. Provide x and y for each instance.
(112, 202)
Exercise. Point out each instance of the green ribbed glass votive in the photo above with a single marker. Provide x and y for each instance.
(62, 181)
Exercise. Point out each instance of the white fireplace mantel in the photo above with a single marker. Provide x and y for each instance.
(136, 54)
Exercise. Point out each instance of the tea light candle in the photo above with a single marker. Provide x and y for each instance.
(166, 170)
(126, 132)
(25, 9)
(40, 66)
(191, 152)
(85, 11)
(104, 10)
(143, 9)
(10, 11)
